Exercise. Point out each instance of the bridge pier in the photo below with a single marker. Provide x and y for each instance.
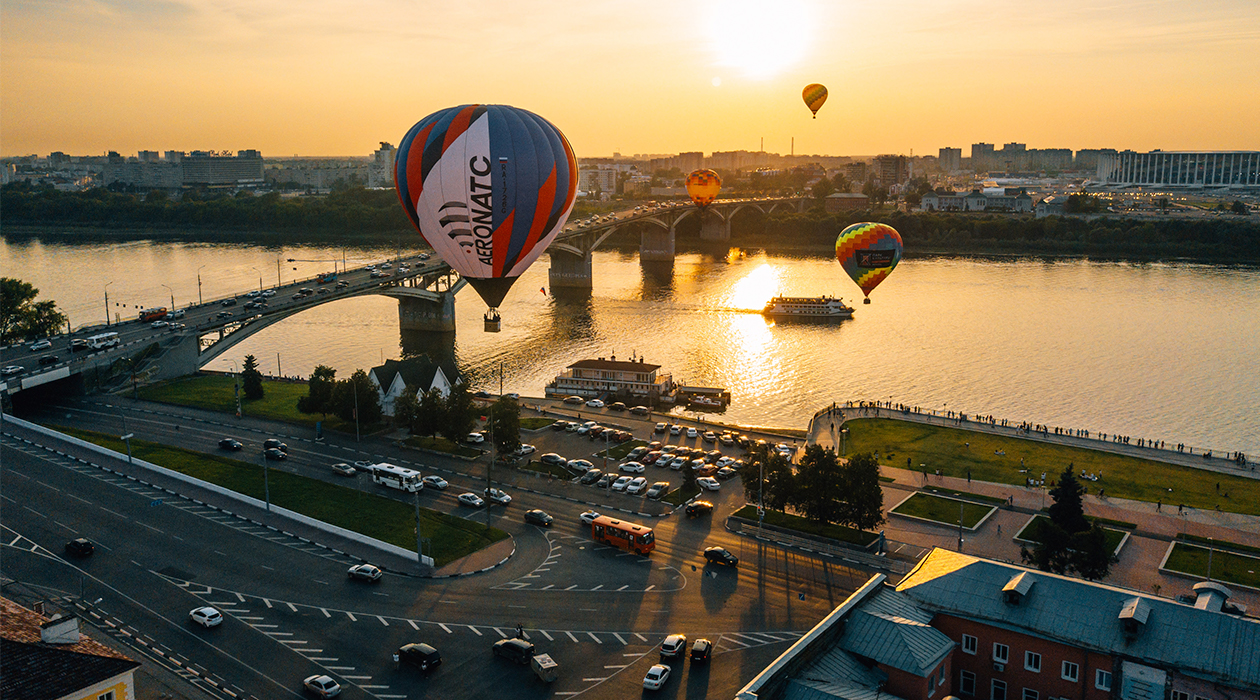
(713, 227)
(569, 270)
(415, 314)
(657, 244)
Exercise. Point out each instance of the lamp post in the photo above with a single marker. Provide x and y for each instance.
(237, 374)
(127, 439)
(172, 297)
(259, 277)
(844, 435)
(199, 285)
(107, 301)
(266, 482)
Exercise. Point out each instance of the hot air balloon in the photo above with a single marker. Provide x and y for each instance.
(868, 252)
(703, 186)
(814, 95)
(488, 187)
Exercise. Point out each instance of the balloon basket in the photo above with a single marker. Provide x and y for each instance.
(866, 301)
(493, 321)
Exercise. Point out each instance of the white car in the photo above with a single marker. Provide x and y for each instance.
(269, 293)
(367, 572)
(674, 645)
(158, 324)
(11, 370)
(621, 483)
(322, 686)
(637, 485)
(692, 432)
(631, 468)
(206, 617)
(436, 482)
(45, 344)
(579, 465)
(678, 463)
(594, 403)
(470, 499)
(475, 438)
(656, 677)
(708, 482)
(675, 429)
(588, 517)
(526, 449)
(498, 496)
(724, 461)
(664, 460)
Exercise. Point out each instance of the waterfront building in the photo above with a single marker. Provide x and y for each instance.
(1180, 169)
(950, 159)
(178, 169)
(976, 200)
(846, 201)
(592, 378)
(50, 658)
(415, 376)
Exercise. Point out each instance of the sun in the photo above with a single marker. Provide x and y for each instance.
(757, 38)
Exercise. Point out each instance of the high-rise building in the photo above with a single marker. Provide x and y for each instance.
(981, 155)
(951, 159)
(1192, 169)
(891, 171)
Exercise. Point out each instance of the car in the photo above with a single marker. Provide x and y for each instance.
(78, 344)
(573, 427)
(640, 410)
(706, 470)
(636, 453)
(525, 449)
(661, 428)
(637, 485)
(342, 284)
(514, 649)
(269, 293)
(223, 314)
(80, 547)
(276, 444)
(11, 370)
(560, 425)
(698, 508)
(365, 572)
(675, 429)
(343, 469)
(664, 460)
(701, 650)
(177, 313)
(708, 482)
(783, 449)
(616, 406)
(228, 302)
(483, 394)
(422, 656)
(475, 438)
(719, 555)
(725, 473)
(658, 490)
(621, 483)
(594, 403)
(712, 456)
(595, 431)
(273, 453)
(206, 616)
(497, 496)
(470, 499)
(672, 449)
(434, 481)
(230, 444)
(692, 432)
(322, 686)
(631, 467)
(673, 645)
(584, 429)
(363, 465)
(607, 480)
(588, 517)
(553, 458)
(724, 462)
(575, 400)
(538, 517)
(580, 465)
(728, 440)
(324, 290)
(656, 677)
(48, 360)
(591, 476)
(158, 324)
(678, 463)
(40, 345)
(179, 326)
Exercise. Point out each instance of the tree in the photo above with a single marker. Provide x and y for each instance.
(23, 318)
(319, 391)
(1239, 207)
(863, 499)
(505, 421)
(430, 414)
(251, 379)
(1068, 511)
(819, 485)
(357, 396)
(461, 415)
(1069, 542)
(406, 407)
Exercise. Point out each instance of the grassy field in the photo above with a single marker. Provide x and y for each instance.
(682, 494)
(441, 444)
(536, 423)
(1123, 477)
(392, 521)
(1242, 548)
(1226, 566)
(942, 510)
(619, 452)
(788, 521)
(1032, 532)
(215, 392)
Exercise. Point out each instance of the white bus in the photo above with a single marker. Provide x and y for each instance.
(102, 340)
(399, 478)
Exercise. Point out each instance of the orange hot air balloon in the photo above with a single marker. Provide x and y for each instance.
(703, 187)
(814, 95)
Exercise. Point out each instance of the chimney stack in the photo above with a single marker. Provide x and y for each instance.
(60, 630)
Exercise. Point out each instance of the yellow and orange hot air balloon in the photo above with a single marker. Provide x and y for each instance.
(703, 187)
(814, 95)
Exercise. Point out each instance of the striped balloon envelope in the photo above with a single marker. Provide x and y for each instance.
(814, 95)
(488, 187)
(868, 252)
(703, 187)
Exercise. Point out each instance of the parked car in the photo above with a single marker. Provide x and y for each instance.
(710, 436)
(637, 485)
(422, 656)
(656, 677)
(470, 499)
(664, 460)
(591, 476)
(658, 490)
(273, 453)
(719, 555)
(606, 481)
(616, 406)
(206, 616)
(640, 410)
(698, 508)
(514, 649)
(675, 429)
(580, 465)
(560, 425)
(678, 463)
(80, 547)
(435, 481)
(594, 403)
(230, 444)
(701, 650)
(636, 453)
(538, 517)
(661, 427)
(343, 469)
(497, 496)
(621, 483)
(673, 645)
(575, 400)
(525, 449)
(365, 572)
(724, 461)
(275, 444)
(631, 467)
(553, 458)
(708, 482)
(475, 438)
(588, 516)
(692, 432)
(725, 473)
(728, 440)
(322, 686)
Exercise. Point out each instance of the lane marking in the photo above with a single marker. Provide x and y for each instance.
(445, 628)
(351, 616)
(619, 638)
(383, 622)
(575, 639)
(413, 624)
(325, 612)
(549, 637)
(474, 629)
(592, 636)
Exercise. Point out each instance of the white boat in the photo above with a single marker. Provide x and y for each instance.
(807, 307)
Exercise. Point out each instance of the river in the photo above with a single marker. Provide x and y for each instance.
(1158, 351)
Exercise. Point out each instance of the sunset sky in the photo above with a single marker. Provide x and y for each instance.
(320, 77)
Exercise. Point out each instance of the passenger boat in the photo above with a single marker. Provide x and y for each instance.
(807, 307)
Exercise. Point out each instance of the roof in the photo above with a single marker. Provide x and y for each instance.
(1087, 614)
(847, 195)
(36, 670)
(416, 372)
(891, 629)
(614, 365)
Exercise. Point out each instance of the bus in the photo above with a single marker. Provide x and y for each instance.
(156, 313)
(623, 535)
(394, 477)
(327, 277)
(103, 340)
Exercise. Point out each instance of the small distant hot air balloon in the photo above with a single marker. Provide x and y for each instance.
(488, 187)
(868, 252)
(814, 95)
(703, 187)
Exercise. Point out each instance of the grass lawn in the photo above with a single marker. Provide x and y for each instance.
(788, 521)
(216, 392)
(1220, 543)
(1123, 477)
(965, 495)
(553, 469)
(392, 521)
(942, 510)
(682, 494)
(536, 423)
(441, 444)
(1032, 532)
(1226, 566)
(620, 451)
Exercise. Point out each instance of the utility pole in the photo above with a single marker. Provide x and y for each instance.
(266, 482)
(960, 525)
(127, 438)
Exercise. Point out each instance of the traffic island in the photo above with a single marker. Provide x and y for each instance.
(943, 510)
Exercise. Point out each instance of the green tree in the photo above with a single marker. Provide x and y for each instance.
(251, 379)
(319, 391)
(822, 189)
(23, 318)
(406, 407)
(357, 396)
(430, 414)
(461, 415)
(863, 499)
(1069, 542)
(505, 419)
(1238, 207)
(1068, 509)
(819, 485)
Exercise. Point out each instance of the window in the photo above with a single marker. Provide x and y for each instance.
(966, 682)
(1102, 679)
(1179, 695)
(1032, 661)
(1030, 694)
(997, 690)
(969, 644)
(1071, 672)
(106, 696)
(1001, 652)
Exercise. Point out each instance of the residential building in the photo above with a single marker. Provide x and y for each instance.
(891, 171)
(603, 180)
(178, 169)
(46, 658)
(976, 200)
(211, 168)
(381, 167)
(982, 156)
(1188, 169)
(601, 376)
(846, 201)
(856, 173)
(951, 159)
(1051, 206)
(415, 376)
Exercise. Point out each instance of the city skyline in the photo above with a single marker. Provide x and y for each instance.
(131, 76)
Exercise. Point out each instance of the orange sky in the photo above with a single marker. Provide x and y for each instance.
(334, 78)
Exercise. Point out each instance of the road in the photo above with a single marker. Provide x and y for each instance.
(293, 612)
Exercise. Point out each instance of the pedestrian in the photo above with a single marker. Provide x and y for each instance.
(999, 528)
(1159, 506)
(520, 632)
(968, 476)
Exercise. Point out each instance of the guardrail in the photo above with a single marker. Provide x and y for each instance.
(841, 552)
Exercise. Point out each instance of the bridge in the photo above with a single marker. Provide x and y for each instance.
(425, 291)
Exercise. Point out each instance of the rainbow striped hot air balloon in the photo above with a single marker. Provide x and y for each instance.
(703, 187)
(868, 252)
(814, 95)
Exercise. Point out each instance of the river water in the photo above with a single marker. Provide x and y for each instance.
(1160, 351)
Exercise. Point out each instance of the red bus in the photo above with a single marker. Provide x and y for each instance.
(157, 313)
(623, 535)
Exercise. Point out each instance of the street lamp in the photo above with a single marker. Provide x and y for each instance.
(199, 284)
(259, 277)
(172, 297)
(266, 482)
(237, 375)
(844, 435)
(127, 438)
(107, 301)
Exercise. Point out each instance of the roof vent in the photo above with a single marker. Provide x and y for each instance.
(1014, 591)
(1133, 616)
(1211, 596)
(60, 630)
